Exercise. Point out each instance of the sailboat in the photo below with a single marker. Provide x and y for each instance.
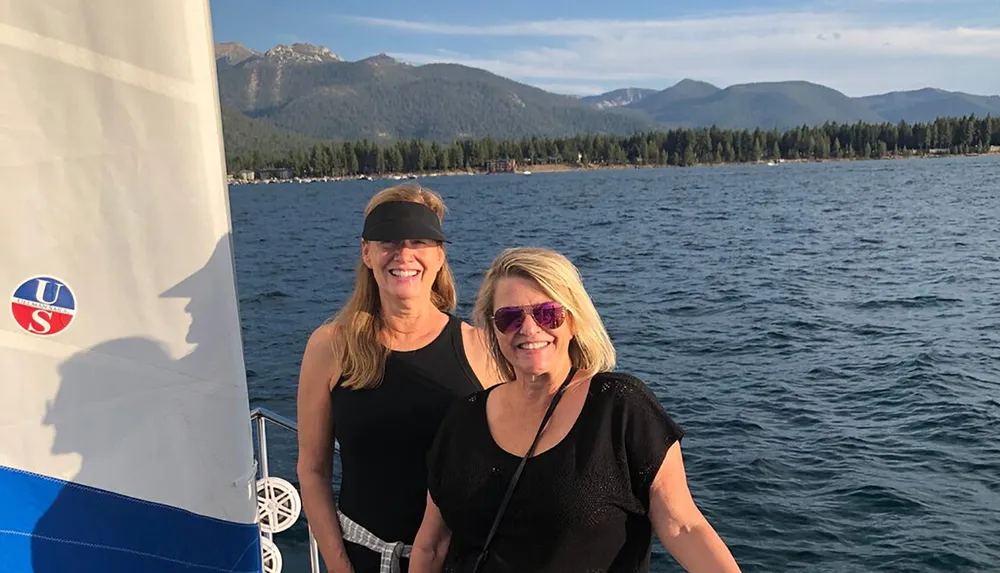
(125, 431)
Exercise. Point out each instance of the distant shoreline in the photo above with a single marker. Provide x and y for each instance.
(529, 169)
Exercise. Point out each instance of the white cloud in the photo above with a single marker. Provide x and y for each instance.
(924, 2)
(849, 52)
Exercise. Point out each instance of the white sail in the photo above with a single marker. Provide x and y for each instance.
(125, 440)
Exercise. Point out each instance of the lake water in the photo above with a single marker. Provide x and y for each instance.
(828, 335)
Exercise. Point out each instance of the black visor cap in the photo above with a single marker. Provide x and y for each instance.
(402, 220)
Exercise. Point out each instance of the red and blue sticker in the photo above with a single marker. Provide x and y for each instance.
(43, 306)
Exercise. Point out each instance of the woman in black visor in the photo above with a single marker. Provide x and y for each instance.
(379, 378)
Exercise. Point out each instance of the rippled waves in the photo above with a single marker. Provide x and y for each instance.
(827, 334)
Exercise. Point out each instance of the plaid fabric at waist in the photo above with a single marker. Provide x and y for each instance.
(391, 552)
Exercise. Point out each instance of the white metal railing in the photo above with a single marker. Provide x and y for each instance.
(260, 417)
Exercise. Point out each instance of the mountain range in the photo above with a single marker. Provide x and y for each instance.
(298, 94)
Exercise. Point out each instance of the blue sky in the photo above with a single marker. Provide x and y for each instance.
(859, 47)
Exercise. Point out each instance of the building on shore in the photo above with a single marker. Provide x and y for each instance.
(276, 173)
(501, 166)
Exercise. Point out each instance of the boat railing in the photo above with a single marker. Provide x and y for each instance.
(277, 499)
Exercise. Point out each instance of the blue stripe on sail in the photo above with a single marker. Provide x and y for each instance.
(49, 525)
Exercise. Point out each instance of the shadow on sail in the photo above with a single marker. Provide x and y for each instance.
(131, 412)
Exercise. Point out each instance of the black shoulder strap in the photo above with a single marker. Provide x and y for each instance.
(517, 474)
(458, 346)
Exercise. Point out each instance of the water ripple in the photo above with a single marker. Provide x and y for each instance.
(827, 334)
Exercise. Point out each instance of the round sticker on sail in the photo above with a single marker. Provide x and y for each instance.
(43, 306)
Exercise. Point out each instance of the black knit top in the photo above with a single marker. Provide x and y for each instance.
(579, 506)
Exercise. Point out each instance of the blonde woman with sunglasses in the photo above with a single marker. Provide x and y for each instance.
(567, 466)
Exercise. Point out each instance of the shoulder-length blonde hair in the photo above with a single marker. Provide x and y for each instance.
(590, 349)
(359, 323)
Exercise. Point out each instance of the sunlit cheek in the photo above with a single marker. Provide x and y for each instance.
(508, 350)
(433, 270)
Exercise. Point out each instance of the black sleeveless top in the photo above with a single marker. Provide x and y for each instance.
(385, 434)
(580, 506)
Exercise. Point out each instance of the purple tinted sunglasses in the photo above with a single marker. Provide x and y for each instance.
(548, 315)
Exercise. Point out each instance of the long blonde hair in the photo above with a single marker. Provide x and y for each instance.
(359, 322)
(590, 350)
